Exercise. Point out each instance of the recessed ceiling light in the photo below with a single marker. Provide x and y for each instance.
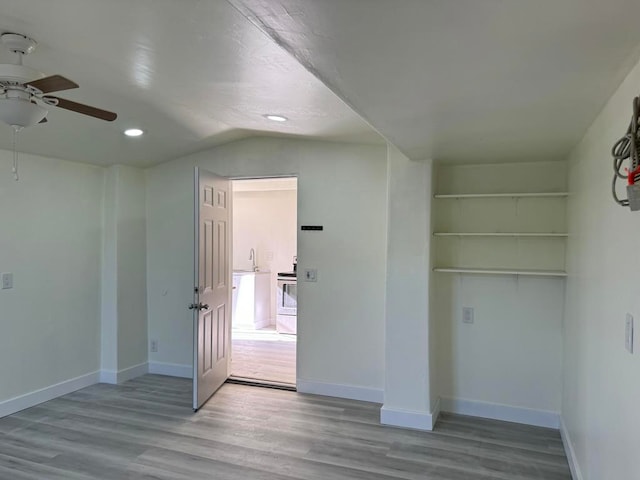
(276, 118)
(133, 132)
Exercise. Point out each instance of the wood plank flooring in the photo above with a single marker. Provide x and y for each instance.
(145, 429)
(264, 356)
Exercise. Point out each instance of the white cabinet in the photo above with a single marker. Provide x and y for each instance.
(251, 300)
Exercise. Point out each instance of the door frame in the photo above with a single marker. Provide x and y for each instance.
(233, 178)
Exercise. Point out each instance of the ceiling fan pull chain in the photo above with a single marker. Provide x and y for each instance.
(16, 129)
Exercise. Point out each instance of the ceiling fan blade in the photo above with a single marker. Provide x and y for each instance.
(54, 83)
(85, 109)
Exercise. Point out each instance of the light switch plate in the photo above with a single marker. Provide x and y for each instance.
(467, 315)
(7, 281)
(310, 275)
(628, 333)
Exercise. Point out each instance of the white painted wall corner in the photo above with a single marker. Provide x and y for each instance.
(496, 411)
(576, 474)
(171, 369)
(31, 399)
(351, 392)
(121, 376)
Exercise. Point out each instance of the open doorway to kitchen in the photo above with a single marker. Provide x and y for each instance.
(264, 302)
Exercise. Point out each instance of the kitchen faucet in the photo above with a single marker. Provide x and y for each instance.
(252, 256)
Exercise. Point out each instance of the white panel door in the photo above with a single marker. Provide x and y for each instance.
(212, 292)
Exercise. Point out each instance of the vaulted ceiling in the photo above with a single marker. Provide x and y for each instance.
(191, 73)
(463, 80)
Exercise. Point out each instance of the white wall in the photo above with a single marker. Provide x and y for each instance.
(50, 239)
(601, 398)
(109, 272)
(407, 397)
(341, 317)
(265, 221)
(508, 363)
(124, 311)
(132, 287)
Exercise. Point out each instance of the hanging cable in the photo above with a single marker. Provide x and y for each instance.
(16, 129)
(628, 148)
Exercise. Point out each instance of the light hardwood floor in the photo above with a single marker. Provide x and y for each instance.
(145, 429)
(264, 355)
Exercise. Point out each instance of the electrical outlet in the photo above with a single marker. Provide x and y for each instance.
(628, 333)
(310, 275)
(467, 315)
(154, 345)
(7, 281)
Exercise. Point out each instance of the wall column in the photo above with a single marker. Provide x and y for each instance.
(407, 381)
(124, 310)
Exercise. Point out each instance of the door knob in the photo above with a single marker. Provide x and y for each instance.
(198, 306)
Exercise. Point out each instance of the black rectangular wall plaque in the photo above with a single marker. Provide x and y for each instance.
(317, 228)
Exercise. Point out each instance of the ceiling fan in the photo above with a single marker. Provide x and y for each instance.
(25, 92)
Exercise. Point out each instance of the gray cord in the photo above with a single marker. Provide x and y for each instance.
(627, 148)
(16, 129)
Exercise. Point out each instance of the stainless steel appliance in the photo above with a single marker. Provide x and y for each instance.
(287, 306)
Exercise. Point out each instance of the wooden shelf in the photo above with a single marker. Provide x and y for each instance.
(499, 234)
(502, 195)
(502, 271)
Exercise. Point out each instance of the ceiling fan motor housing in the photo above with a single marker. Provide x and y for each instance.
(18, 43)
(18, 73)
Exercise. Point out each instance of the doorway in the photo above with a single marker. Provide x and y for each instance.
(264, 295)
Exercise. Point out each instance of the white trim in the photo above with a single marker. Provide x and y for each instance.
(576, 474)
(351, 392)
(501, 195)
(13, 405)
(502, 271)
(435, 413)
(108, 376)
(496, 411)
(500, 234)
(171, 369)
(121, 376)
(398, 417)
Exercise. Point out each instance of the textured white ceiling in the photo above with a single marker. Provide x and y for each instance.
(192, 74)
(464, 80)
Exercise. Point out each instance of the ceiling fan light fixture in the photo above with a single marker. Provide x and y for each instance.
(133, 132)
(21, 113)
(276, 118)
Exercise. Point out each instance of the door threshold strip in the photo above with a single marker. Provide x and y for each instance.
(254, 382)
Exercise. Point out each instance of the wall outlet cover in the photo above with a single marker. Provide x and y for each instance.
(310, 275)
(154, 345)
(7, 281)
(467, 315)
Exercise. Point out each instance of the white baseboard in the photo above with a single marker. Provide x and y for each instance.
(576, 474)
(171, 369)
(397, 417)
(121, 376)
(31, 399)
(341, 391)
(496, 411)
(435, 413)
